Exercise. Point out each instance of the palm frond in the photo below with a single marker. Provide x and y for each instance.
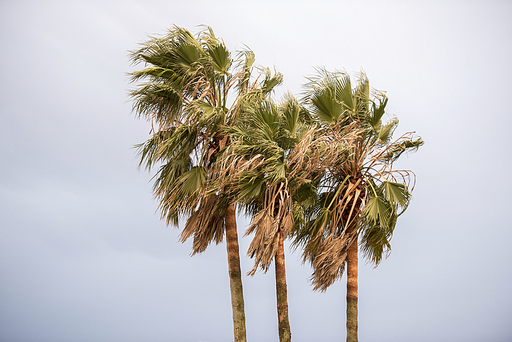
(275, 218)
(271, 80)
(375, 244)
(157, 102)
(377, 212)
(329, 260)
(221, 58)
(386, 131)
(244, 62)
(408, 145)
(206, 224)
(396, 194)
(377, 113)
(291, 114)
(344, 91)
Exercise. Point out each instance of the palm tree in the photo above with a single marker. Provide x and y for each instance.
(266, 168)
(360, 195)
(192, 88)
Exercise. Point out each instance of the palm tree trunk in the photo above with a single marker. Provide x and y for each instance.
(352, 292)
(235, 275)
(281, 293)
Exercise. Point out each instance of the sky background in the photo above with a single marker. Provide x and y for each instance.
(84, 256)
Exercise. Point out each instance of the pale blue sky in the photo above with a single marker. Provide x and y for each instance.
(84, 256)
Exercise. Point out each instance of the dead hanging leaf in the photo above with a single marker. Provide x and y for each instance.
(206, 224)
(268, 224)
(329, 260)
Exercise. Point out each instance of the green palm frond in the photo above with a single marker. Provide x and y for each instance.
(326, 106)
(157, 74)
(168, 175)
(408, 145)
(291, 109)
(158, 102)
(172, 204)
(377, 212)
(378, 223)
(207, 116)
(221, 58)
(271, 80)
(252, 185)
(377, 113)
(186, 55)
(375, 244)
(386, 131)
(361, 95)
(330, 95)
(344, 91)
(149, 151)
(176, 50)
(277, 173)
(313, 232)
(396, 194)
(165, 145)
(266, 120)
(191, 181)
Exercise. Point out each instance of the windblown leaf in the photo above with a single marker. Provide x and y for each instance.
(344, 92)
(221, 58)
(408, 145)
(396, 194)
(386, 131)
(326, 106)
(377, 212)
(375, 243)
(291, 114)
(377, 113)
(187, 55)
(271, 81)
(192, 180)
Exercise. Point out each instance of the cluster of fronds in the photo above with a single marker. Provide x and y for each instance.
(191, 89)
(360, 195)
(319, 170)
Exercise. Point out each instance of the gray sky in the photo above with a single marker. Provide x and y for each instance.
(84, 256)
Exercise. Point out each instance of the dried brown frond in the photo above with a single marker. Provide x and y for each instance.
(276, 218)
(321, 148)
(329, 261)
(206, 224)
(264, 245)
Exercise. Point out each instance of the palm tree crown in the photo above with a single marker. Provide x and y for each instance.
(359, 188)
(359, 194)
(261, 166)
(192, 88)
(186, 97)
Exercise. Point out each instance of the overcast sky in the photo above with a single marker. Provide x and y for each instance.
(84, 256)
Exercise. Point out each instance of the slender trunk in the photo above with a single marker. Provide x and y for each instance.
(235, 275)
(352, 293)
(281, 293)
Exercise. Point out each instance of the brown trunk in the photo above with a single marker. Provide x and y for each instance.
(352, 293)
(235, 275)
(281, 293)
